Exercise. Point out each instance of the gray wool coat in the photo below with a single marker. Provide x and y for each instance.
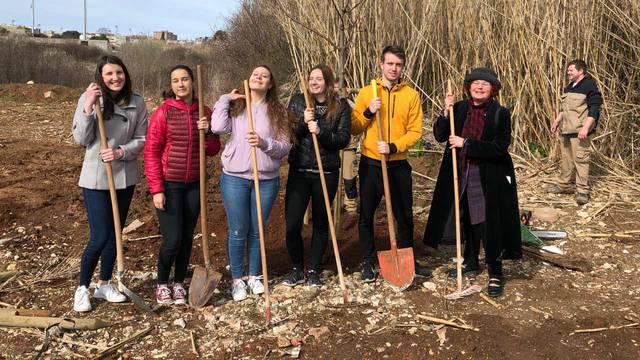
(126, 128)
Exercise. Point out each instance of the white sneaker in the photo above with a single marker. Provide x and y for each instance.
(110, 293)
(238, 290)
(81, 301)
(255, 284)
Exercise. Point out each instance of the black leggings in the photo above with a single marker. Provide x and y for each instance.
(177, 222)
(300, 188)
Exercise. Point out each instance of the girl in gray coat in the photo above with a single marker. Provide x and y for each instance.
(125, 117)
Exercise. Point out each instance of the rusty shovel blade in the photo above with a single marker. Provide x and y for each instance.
(397, 267)
(133, 296)
(203, 283)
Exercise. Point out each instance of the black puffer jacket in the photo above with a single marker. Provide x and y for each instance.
(333, 136)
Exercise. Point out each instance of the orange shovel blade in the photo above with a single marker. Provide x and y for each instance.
(397, 267)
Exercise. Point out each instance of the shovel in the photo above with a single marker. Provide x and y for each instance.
(119, 275)
(397, 266)
(205, 279)
(325, 193)
(459, 293)
(256, 184)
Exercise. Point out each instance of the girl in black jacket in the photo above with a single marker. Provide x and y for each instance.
(330, 120)
(488, 196)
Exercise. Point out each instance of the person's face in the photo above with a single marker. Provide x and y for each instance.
(316, 82)
(181, 84)
(391, 67)
(573, 73)
(260, 80)
(480, 90)
(113, 77)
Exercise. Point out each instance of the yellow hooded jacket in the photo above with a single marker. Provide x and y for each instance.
(400, 118)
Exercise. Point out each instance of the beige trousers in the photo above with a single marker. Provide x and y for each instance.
(575, 159)
(350, 164)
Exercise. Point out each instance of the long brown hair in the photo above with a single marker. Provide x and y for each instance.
(109, 98)
(332, 98)
(278, 115)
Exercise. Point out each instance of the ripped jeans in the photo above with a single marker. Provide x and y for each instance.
(238, 195)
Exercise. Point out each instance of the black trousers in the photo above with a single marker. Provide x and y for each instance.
(474, 236)
(371, 192)
(177, 222)
(302, 186)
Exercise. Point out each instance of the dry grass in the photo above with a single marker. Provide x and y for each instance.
(527, 42)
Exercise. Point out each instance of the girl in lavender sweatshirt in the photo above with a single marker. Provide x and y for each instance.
(272, 141)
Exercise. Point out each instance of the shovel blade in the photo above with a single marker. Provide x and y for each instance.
(135, 298)
(397, 267)
(203, 283)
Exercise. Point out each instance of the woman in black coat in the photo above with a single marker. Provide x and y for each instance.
(488, 195)
(330, 120)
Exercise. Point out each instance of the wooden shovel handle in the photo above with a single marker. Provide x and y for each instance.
(112, 190)
(385, 177)
(256, 182)
(203, 173)
(456, 200)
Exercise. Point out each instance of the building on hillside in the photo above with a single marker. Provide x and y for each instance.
(165, 35)
(135, 38)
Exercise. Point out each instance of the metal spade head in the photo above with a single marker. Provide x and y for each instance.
(203, 283)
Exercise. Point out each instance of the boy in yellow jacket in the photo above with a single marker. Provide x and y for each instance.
(401, 120)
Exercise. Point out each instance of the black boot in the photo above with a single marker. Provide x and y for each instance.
(422, 271)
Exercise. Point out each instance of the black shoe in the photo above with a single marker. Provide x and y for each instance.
(582, 198)
(422, 271)
(368, 275)
(494, 289)
(295, 277)
(467, 270)
(313, 278)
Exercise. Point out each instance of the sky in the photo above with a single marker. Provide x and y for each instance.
(188, 19)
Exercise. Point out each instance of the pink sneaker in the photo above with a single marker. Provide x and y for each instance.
(163, 295)
(179, 294)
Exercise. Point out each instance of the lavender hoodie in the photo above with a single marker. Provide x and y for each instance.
(236, 157)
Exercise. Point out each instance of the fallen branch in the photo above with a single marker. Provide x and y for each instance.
(423, 176)
(582, 331)
(24, 312)
(447, 322)
(7, 305)
(45, 322)
(63, 340)
(490, 301)
(579, 263)
(9, 280)
(623, 234)
(115, 347)
(8, 274)
(144, 238)
(595, 213)
(194, 349)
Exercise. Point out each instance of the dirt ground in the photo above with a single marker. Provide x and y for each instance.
(43, 230)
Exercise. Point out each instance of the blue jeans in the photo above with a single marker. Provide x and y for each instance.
(239, 199)
(102, 237)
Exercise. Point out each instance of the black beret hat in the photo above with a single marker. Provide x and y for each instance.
(483, 73)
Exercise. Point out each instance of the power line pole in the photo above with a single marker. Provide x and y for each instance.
(33, 18)
(85, 21)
